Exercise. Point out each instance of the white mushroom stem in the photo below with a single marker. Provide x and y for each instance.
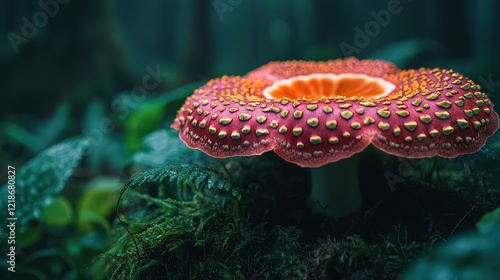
(335, 188)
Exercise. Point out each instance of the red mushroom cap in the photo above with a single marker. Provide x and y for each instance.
(313, 113)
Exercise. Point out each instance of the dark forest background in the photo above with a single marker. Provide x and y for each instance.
(83, 56)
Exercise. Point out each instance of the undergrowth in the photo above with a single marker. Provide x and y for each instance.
(176, 225)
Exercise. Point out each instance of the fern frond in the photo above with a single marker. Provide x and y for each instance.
(184, 174)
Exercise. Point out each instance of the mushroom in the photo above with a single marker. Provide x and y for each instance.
(316, 113)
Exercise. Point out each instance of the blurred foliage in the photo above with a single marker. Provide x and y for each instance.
(164, 147)
(54, 237)
(489, 222)
(150, 115)
(42, 178)
(473, 255)
(105, 70)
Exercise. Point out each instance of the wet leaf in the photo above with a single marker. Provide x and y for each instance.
(43, 178)
(164, 147)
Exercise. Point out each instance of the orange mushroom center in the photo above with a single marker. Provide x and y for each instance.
(318, 86)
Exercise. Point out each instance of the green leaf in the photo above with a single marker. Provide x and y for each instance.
(29, 237)
(468, 256)
(91, 223)
(43, 178)
(45, 133)
(489, 222)
(163, 147)
(99, 197)
(59, 213)
(19, 134)
(150, 116)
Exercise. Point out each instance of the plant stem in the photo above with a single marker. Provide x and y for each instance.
(335, 188)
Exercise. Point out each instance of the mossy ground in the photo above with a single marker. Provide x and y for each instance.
(183, 232)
